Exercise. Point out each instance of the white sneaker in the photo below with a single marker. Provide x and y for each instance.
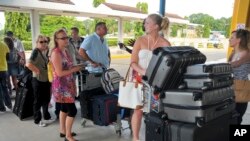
(41, 124)
(83, 122)
(49, 121)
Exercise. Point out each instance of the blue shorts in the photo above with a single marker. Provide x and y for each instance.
(13, 69)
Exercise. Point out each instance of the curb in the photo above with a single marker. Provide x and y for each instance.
(121, 56)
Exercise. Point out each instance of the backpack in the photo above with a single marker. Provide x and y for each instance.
(110, 80)
(13, 56)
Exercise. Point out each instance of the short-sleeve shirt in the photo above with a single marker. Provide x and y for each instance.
(40, 60)
(241, 72)
(18, 45)
(96, 49)
(3, 52)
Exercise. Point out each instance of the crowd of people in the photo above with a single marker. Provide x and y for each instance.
(67, 52)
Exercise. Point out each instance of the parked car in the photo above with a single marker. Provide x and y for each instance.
(214, 41)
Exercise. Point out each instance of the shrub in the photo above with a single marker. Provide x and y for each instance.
(27, 45)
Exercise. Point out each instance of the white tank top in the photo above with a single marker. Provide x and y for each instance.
(144, 57)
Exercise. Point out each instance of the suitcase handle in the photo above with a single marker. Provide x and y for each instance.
(191, 51)
(221, 108)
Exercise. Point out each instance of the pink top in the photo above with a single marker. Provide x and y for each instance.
(64, 88)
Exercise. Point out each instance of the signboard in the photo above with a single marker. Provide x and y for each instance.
(241, 26)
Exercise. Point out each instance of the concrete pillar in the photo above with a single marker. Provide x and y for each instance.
(35, 26)
(120, 30)
(162, 7)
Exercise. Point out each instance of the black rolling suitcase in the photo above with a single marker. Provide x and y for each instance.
(158, 128)
(155, 126)
(168, 64)
(86, 100)
(215, 130)
(23, 107)
(104, 109)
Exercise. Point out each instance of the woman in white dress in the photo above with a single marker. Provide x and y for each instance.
(142, 53)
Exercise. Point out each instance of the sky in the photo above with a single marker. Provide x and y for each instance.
(214, 8)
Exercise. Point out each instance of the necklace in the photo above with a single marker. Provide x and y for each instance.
(152, 47)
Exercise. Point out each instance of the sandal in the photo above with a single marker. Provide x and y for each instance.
(63, 135)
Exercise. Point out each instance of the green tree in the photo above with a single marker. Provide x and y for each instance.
(18, 23)
(138, 29)
(199, 31)
(51, 23)
(89, 26)
(142, 6)
(128, 25)
(96, 3)
(112, 25)
(138, 25)
(206, 31)
(173, 30)
(222, 24)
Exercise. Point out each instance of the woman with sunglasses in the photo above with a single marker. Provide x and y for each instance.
(240, 61)
(63, 84)
(37, 63)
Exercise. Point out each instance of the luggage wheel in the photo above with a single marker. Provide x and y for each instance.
(199, 124)
(119, 132)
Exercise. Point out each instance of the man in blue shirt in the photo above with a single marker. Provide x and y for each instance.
(95, 48)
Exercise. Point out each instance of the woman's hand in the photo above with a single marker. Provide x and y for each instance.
(37, 71)
(76, 68)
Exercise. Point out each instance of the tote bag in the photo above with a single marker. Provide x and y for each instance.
(130, 93)
(242, 91)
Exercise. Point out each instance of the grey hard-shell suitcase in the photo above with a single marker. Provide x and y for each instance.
(198, 114)
(208, 82)
(209, 69)
(88, 81)
(198, 106)
(168, 64)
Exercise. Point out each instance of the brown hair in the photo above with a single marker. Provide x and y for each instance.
(244, 36)
(162, 22)
(75, 29)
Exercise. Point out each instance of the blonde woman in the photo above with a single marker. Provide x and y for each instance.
(37, 63)
(63, 84)
(142, 53)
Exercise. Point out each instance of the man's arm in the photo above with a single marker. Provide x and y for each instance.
(82, 52)
(85, 56)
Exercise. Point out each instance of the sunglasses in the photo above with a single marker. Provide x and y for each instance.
(63, 38)
(41, 42)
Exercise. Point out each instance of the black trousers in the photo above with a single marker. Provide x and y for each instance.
(41, 91)
(241, 108)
